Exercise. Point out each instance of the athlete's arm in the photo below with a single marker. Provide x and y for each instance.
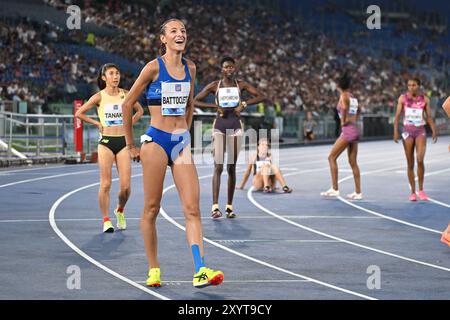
(147, 75)
(430, 119)
(358, 113)
(139, 111)
(257, 96)
(346, 105)
(190, 103)
(92, 102)
(446, 106)
(398, 112)
(207, 90)
(247, 172)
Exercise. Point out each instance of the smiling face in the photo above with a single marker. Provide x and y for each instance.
(174, 36)
(112, 77)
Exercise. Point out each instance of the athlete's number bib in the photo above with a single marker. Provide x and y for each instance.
(174, 97)
(228, 97)
(113, 114)
(353, 108)
(261, 163)
(413, 117)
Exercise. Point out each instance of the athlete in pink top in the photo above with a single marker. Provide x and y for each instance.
(349, 111)
(414, 106)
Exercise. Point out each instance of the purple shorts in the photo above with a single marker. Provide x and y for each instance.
(413, 132)
(350, 133)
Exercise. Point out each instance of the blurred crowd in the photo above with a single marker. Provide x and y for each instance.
(290, 63)
(33, 69)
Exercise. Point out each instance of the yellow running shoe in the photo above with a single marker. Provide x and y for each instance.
(154, 278)
(207, 277)
(108, 227)
(121, 222)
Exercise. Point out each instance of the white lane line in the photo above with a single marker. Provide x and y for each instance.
(431, 199)
(310, 153)
(137, 285)
(51, 218)
(298, 157)
(164, 214)
(272, 240)
(177, 282)
(6, 172)
(413, 225)
(359, 163)
(328, 167)
(206, 217)
(250, 197)
(52, 176)
(320, 217)
(439, 202)
(378, 214)
(84, 255)
(46, 177)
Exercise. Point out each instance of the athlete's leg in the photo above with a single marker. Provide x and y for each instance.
(123, 164)
(186, 180)
(352, 159)
(278, 175)
(408, 145)
(338, 147)
(234, 147)
(105, 163)
(273, 182)
(258, 181)
(265, 172)
(218, 154)
(154, 164)
(421, 147)
(445, 238)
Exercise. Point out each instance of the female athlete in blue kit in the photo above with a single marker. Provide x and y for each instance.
(169, 84)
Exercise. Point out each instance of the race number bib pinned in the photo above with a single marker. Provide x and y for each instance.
(353, 108)
(113, 114)
(228, 97)
(414, 117)
(174, 97)
(261, 163)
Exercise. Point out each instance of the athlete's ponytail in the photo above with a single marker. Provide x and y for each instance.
(102, 72)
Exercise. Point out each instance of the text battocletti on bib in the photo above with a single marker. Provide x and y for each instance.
(353, 108)
(113, 114)
(174, 97)
(228, 97)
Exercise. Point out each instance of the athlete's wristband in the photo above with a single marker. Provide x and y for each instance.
(131, 146)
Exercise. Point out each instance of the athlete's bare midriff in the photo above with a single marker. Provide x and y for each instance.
(167, 123)
(113, 131)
